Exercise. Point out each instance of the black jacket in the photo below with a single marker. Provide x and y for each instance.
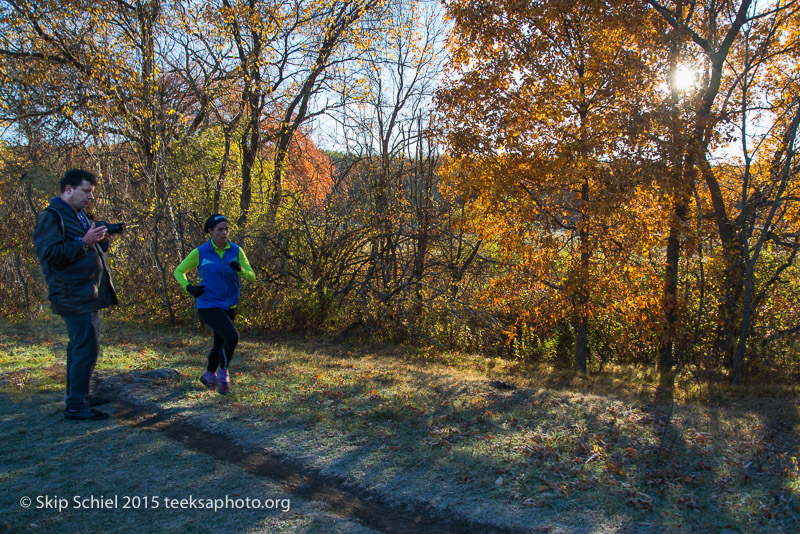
(77, 275)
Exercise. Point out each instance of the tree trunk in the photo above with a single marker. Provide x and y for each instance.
(730, 306)
(737, 367)
(223, 170)
(251, 143)
(669, 297)
(163, 272)
(581, 345)
(580, 320)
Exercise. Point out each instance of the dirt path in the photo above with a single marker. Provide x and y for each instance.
(146, 450)
(347, 503)
(117, 477)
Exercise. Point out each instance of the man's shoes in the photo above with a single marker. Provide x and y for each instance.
(85, 414)
(223, 382)
(92, 400)
(209, 380)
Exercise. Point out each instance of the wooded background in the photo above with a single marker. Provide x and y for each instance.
(586, 183)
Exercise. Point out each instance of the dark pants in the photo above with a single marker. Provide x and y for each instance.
(82, 352)
(226, 337)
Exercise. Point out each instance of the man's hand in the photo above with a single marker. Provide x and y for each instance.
(94, 235)
(195, 291)
(235, 265)
(108, 237)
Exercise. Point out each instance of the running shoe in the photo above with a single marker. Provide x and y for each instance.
(223, 382)
(209, 380)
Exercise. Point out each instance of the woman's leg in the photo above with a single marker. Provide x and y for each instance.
(226, 337)
(213, 354)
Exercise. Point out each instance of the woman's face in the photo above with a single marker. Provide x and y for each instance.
(219, 234)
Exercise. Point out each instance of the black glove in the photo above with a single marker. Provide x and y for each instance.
(236, 266)
(195, 291)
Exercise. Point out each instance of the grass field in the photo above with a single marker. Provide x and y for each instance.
(489, 440)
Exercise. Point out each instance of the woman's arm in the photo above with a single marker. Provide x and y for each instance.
(191, 261)
(247, 270)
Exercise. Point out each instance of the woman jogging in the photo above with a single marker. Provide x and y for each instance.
(219, 264)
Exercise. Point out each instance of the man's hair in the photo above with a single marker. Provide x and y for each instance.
(74, 177)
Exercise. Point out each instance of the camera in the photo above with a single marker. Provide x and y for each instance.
(112, 228)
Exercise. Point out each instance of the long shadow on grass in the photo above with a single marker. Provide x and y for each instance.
(564, 458)
(680, 474)
(299, 480)
(518, 447)
(53, 462)
(774, 451)
(709, 470)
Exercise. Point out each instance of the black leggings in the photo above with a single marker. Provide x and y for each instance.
(226, 337)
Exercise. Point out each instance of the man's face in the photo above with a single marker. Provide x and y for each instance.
(78, 197)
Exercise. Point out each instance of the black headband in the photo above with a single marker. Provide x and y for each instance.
(214, 220)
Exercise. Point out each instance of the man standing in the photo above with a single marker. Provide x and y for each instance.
(71, 251)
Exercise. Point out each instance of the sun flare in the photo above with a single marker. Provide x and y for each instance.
(684, 78)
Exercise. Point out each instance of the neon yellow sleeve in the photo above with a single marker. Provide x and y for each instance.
(191, 261)
(247, 270)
